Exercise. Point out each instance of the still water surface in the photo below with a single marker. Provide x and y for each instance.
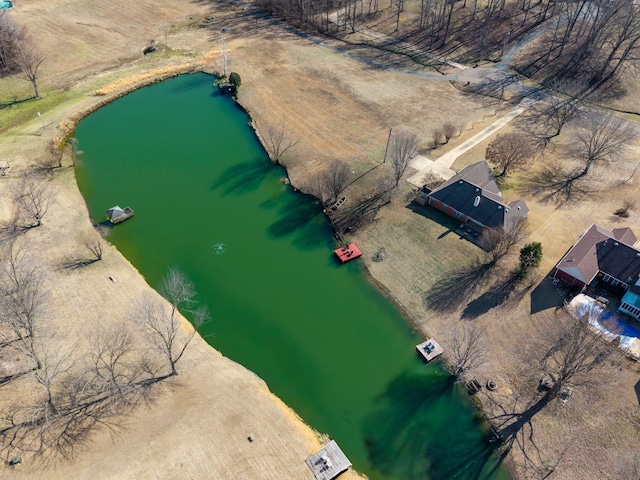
(209, 202)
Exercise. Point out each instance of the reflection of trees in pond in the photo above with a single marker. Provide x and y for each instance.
(243, 177)
(300, 216)
(416, 433)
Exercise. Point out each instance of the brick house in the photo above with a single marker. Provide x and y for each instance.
(473, 197)
(607, 258)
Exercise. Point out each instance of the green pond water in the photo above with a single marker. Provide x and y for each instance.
(209, 202)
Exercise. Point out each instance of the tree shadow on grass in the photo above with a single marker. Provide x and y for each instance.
(415, 434)
(15, 101)
(457, 287)
(10, 378)
(497, 295)
(362, 212)
(243, 177)
(515, 428)
(77, 263)
(555, 183)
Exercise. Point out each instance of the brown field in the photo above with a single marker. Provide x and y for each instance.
(339, 109)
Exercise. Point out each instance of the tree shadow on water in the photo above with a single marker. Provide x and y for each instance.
(415, 433)
(243, 177)
(301, 216)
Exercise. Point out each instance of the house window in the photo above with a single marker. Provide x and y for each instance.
(629, 309)
(614, 283)
(458, 214)
(606, 278)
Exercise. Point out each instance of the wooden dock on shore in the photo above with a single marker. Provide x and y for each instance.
(429, 350)
(348, 252)
(328, 462)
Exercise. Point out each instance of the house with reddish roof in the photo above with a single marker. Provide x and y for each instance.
(473, 197)
(607, 258)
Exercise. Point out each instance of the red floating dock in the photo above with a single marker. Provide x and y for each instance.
(348, 253)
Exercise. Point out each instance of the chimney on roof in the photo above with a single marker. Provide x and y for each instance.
(476, 202)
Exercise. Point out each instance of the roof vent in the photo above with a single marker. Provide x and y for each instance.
(615, 244)
(499, 207)
(460, 182)
(518, 207)
(477, 189)
(572, 259)
(476, 202)
(637, 254)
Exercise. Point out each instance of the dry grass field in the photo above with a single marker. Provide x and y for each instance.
(338, 108)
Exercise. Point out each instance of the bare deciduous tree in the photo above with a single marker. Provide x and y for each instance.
(29, 58)
(32, 198)
(600, 139)
(278, 141)
(335, 179)
(23, 298)
(437, 135)
(571, 353)
(362, 211)
(467, 349)
(164, 324)
(53, 363)
(404, 146)
(449, 130)
(509, 151)
(11, 36)
(94, 245)
(117, 368)
(499, 243)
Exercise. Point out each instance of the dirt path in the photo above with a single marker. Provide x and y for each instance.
(442, 166)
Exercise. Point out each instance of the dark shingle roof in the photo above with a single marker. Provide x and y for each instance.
(474, 192)
(618, 260)
(604, 250)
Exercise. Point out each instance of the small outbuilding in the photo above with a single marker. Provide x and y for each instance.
(328, 462)
(117, 214)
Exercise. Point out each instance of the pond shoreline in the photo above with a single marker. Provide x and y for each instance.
(67, 128)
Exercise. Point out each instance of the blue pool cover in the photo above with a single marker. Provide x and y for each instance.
(604, 321)
(5, 4)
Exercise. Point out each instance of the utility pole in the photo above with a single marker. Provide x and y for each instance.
(224, 53)
(387, 149)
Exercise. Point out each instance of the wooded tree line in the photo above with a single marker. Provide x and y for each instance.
(586, 43)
